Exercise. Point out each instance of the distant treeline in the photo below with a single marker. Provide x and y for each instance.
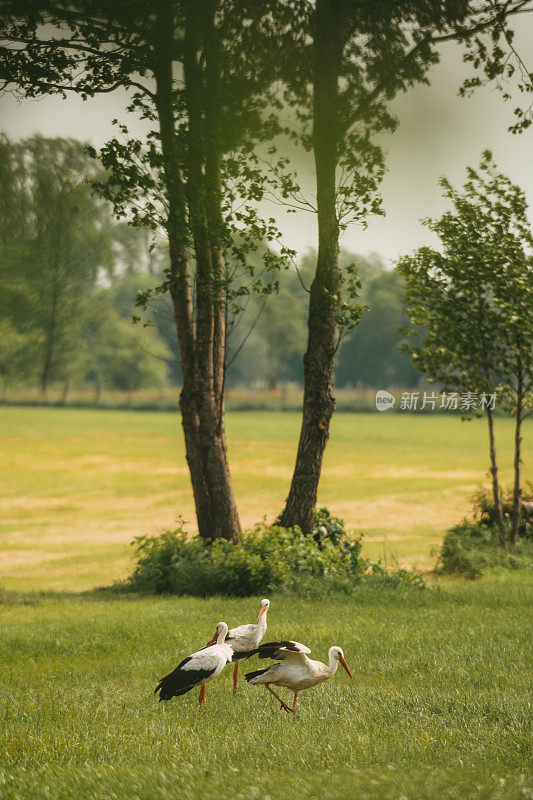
(70, 274)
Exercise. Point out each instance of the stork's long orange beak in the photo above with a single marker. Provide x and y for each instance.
(263, 609)
(346, 667)
(213, 640)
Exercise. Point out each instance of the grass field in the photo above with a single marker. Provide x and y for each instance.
(77, 485)
(437, 708)
(439, 702)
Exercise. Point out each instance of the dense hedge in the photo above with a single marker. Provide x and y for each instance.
(267, 559)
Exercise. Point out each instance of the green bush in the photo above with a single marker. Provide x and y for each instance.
(472, 546)
(484, 510)
(266, 559)
(326, 527)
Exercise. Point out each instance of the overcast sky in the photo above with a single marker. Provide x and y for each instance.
(439, 133)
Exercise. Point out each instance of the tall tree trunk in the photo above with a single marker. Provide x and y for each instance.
(204, 438)
(517, 508)
(216, 234)
(180, 289)
(201, 199)
(318, 401)
(495, 483)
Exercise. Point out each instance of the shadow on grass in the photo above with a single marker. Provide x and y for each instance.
(370, 591)
(44, 596)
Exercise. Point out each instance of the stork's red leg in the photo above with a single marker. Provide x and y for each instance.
(294, 707)
(235, 676)
(283, 705)
(201, 698)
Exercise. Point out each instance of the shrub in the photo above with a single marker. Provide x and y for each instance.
(467, 549)
(328, 529)
(267, 559)
(484, 510)
(473, 545)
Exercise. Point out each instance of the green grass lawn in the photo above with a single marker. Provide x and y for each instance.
(77, 485)
(437, 708)
(438, 705)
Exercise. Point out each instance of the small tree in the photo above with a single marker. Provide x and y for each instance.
(471, 304)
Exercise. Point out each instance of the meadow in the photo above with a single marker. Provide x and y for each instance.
(439, 702)
(76, 485)
(437, 708)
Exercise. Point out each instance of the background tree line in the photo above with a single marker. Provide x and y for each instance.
(70, 274)
(66, 277)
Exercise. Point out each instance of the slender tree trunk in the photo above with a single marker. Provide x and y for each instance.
(495, 483)
(517, 508)
(51, 331)
(204, 436)
(318, 402)
(216, 232)
(98, 388)
(50, 344)
(180, 289)
(213, 186)
(200, 199)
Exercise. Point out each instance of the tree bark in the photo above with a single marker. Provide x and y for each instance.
(50, 334)
(205, 444)
(202, 197)
(216, 232)
(495, 482)
(517, 508)
(318, 401)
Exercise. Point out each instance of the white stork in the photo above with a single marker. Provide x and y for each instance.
(295, 671)
(197, 669)
(245, 639)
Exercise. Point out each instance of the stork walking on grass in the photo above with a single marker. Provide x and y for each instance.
(295, 670)
(245, 639)
(197, 669)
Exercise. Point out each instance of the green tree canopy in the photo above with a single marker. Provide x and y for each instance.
(471, 302)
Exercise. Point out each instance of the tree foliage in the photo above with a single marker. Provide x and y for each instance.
(471, 302)
(55, 239)
(370, 355)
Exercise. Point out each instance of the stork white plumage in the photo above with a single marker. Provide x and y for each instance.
(245, 639)
(295, 670)
(197, 669)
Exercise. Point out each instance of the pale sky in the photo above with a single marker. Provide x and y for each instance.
(439, 133)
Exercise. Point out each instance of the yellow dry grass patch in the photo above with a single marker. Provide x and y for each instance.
(76, 486)
(395, 512)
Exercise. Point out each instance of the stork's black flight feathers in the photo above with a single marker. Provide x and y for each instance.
(180, 680)
(278, 650)
(255, 673)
